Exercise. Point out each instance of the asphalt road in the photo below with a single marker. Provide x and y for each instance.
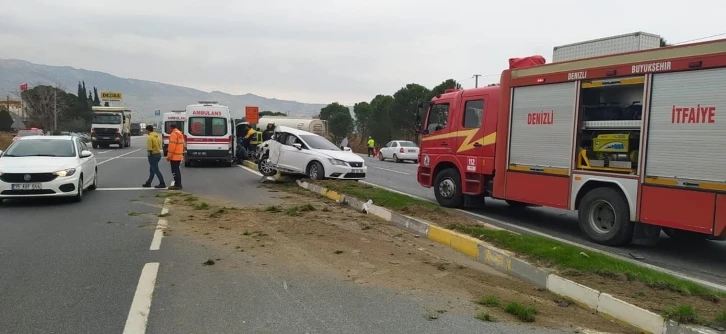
(705, 261)
(99, 267)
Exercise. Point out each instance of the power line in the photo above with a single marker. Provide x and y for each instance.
(702, 38)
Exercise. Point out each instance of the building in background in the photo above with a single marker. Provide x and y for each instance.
(16, 111)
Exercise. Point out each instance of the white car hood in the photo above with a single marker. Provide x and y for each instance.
(36, 164)
(341, 155)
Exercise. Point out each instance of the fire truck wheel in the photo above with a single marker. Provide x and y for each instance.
(447, 188)
(604, 216)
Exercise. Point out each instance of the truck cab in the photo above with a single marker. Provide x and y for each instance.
(459, 133)
(136, 129)
(110, 126)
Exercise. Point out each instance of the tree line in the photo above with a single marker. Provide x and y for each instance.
(43, 103)
(385, 117)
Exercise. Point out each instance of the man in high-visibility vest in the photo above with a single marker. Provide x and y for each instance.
(175, 155)
(371, 145)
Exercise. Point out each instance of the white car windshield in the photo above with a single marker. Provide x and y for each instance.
(41, 148)
(319, 143)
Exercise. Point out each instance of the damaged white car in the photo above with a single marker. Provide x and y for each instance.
(293, 151)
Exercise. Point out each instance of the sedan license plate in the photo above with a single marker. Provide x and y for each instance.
(26, 186)
(106, 138)
(357, 171)
(411, 151)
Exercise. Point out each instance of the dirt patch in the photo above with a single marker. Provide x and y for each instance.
(312, 235)
(645, 288)
(5, 140)
(431, 212)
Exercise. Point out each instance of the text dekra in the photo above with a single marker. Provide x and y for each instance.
(206, 113)
(542, 117)
(697, 114)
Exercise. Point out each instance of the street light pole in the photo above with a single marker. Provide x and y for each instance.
(55, 109)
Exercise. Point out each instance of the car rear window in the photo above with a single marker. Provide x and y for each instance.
(208, 126)
(408, 144)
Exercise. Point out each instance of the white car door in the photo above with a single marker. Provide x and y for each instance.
(392, 149)
(385, 149)
(274, 149)
(90, 163)
(291, 157)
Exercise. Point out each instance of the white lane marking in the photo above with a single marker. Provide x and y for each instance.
(250, 170)
(116, 157)
(104, 159)
(141, 305)
(132, 188)
(513, 227)
(390, 170)
(103, 152)
(160, 227)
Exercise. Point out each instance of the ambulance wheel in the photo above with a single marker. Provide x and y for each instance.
(604, 216)
(447, 188)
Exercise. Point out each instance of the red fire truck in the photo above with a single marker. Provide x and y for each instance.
(636, 142)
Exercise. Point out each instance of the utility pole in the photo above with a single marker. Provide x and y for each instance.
(55, 109)
(476, 80)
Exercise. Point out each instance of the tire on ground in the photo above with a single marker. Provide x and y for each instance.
(457, 198)
(622, 230)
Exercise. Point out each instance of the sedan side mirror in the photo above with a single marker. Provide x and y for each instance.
(347, 149)
(86, 154)
(298, 146)
(1, 152)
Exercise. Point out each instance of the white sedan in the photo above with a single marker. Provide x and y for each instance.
(294, 151)
(399, 150)
(47, 166)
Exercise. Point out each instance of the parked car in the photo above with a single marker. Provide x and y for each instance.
(47, 166)
(293, 151)
(399, 150)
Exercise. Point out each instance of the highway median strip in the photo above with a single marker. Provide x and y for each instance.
(643, 298)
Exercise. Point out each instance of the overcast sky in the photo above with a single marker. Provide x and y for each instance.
(323, 51)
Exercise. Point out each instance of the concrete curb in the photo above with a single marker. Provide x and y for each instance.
(252, 165)
(505, 261)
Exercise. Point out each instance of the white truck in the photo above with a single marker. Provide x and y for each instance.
(111, 126)
(316, 126)
(637, 41)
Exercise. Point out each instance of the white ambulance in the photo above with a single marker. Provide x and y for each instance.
(177, 117)
(209, 134)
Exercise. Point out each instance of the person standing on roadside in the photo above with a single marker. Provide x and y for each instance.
(371, 145)
(175, 155)
(153, 148)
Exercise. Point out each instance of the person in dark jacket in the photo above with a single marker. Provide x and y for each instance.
(269, 131)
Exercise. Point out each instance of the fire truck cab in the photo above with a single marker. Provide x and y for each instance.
(634, 142)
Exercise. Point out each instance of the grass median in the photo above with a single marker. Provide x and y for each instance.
(641, 286)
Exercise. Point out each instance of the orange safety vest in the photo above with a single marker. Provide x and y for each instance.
(175, 151)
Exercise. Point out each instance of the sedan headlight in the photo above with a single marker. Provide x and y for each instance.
(338, 162)
(65, 172)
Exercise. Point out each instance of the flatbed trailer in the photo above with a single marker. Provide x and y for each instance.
(634, 142)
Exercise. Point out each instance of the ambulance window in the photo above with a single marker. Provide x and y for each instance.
(473, 114)
(219, 126)
(438, 116)
(197, 126)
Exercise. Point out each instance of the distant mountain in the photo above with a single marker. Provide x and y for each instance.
(139, 95)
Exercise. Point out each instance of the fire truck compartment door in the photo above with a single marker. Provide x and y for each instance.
(687, 126)
(542, 125)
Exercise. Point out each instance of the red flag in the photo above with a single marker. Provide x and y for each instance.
(24, 87)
